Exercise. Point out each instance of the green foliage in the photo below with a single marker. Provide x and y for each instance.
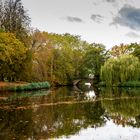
(62, 58)
(93, 58)
(119, 70)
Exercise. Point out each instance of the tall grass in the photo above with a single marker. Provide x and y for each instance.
(30, 86)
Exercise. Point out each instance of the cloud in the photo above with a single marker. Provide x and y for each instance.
(128, 16)
(111, 1)
(74, 19)
(121, 1)
(133, 35)
(97, 18)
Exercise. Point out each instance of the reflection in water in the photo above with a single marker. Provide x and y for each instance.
(90, 95)
(63, 113)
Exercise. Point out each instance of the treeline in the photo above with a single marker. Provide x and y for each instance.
(56, 58)
(28, 54)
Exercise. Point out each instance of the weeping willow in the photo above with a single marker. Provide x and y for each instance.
(119, 70)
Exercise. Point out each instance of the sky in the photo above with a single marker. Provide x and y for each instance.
(110, 22)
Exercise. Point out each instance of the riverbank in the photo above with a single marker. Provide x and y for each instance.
(23, 86)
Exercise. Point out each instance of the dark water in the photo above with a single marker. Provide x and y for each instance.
(71, 114)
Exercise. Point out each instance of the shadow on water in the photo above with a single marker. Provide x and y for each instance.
(66, 111)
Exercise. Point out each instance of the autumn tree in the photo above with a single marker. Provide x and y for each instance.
(12, 57)
(119, 50)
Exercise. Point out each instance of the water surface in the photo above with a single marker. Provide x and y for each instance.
(71, 114)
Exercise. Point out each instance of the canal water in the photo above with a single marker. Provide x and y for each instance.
(71, 113)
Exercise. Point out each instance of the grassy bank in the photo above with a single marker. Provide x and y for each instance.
(23, 86)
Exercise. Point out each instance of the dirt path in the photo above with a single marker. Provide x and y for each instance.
(5, 84)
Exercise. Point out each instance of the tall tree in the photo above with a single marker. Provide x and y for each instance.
(93, 60)
(14, 18)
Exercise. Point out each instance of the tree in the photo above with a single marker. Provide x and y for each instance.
(12, 57)
(43, 64)
(1, 13)
(122, 49)
(38, 39)
(14, 19)
(63, 58)
(116, 71)
(56, 67)
(57, 58)
(93, 60)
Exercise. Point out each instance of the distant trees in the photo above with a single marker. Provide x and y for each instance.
(62, 58)
(57, 57)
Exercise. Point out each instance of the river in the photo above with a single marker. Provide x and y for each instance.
(69, 113)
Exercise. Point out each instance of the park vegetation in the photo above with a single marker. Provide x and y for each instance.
(30, 55)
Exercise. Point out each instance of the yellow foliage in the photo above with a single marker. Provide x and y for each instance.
(12, 55)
